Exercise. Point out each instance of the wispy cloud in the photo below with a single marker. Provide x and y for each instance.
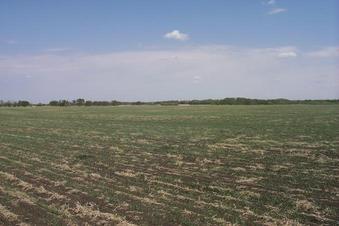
(9, 42)
(271, 2)
(176, 35)
(196, 79)
(288, 54)
(277, 11)
(56, 49)
(278, 52)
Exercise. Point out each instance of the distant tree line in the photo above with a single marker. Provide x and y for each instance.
(20, 103)
(247, 101)
(225, 101)
(83, 102)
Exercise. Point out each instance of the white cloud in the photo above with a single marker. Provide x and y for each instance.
(277, 11)
(185, 73)
(325, 52)
(176, 35)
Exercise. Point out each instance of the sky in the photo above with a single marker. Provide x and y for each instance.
(161, 50)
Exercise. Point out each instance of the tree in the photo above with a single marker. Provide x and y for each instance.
(80, 102)
(23, 103)
(64, 103)
(54, 103)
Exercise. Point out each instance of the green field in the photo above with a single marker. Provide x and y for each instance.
(169, 165)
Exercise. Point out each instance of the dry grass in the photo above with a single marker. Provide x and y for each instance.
(8, 215)
(96, 216)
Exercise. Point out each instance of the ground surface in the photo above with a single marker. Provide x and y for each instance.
(173, 165)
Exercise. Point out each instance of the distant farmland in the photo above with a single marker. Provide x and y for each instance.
(169, 165)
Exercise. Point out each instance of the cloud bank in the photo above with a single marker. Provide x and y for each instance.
(326, 52)
(186, 73)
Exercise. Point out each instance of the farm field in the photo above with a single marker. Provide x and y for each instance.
(170, 165)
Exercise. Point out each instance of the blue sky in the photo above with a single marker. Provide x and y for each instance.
(148, 50)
